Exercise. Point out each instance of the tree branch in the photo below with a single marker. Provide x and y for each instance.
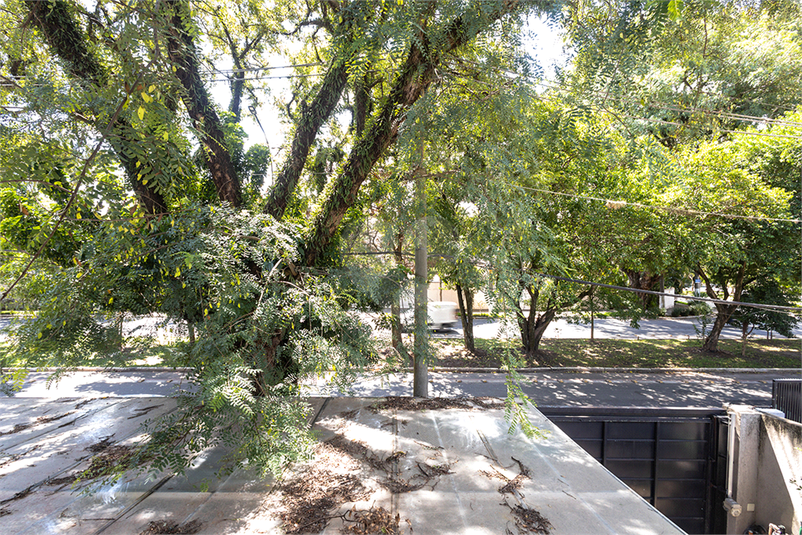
(308, 126)
(62, 34)
(415, 77)
(74, 194)
(181, 49)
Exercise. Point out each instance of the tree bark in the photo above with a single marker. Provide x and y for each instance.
(533, 325)
(361, 105)
(723, 312)
(643, 280)
(416, 75)
(238, 79)
(420, 385)
(63, 35)
(395, 307)
(465, 301)
(306, 132)
(237, 87)
(181, 48)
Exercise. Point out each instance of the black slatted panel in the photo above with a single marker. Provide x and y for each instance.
(786, 395)
(674, 458)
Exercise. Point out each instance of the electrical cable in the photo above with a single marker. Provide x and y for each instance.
(742, 132)
(614, 287)
(615, 204)
(286, 76)
(693, 298)
(255, 69)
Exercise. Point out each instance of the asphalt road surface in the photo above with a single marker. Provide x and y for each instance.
(610, 389)
(605, 328)
(545, 388)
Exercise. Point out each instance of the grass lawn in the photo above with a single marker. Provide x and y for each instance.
(166, 355)
(778, 353)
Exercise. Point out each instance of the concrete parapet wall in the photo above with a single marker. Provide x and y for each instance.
(779, 473)
(765, 470)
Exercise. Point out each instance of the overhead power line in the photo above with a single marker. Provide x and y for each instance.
(722, 113)
(256, 69)
(666, 294)
(621, 288)
(728, 131)
(728, 115)
(286, 76)
(616, 203)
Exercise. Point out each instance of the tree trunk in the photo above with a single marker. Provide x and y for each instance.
(395, 307)
(64, 36)
(416, 75)
(724, 312)
(181, 48)
(237, 87)
(420, 386)
(533, 325)
(465, 301)
(312, 118)
(643, 280)
(540, 327)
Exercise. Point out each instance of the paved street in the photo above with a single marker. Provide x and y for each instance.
(546, 388)
(559, 388)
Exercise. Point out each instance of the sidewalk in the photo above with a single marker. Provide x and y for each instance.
(606, 328)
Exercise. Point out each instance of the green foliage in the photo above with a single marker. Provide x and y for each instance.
(768, 292)
(111, 200)
(222, 271)
(121, 187)
(684, 70)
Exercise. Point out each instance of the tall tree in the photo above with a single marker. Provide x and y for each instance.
(180, 237)
(691, 75)
(549, 218)
(739, 241)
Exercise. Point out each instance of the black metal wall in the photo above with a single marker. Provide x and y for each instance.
(674, 458)
(786, 395)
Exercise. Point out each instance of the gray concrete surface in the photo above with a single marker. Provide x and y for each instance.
(462, 457)
(141, 382)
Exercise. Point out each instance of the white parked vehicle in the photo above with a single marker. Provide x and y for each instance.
(440, 315)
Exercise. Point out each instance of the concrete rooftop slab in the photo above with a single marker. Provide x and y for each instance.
(413, 468)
